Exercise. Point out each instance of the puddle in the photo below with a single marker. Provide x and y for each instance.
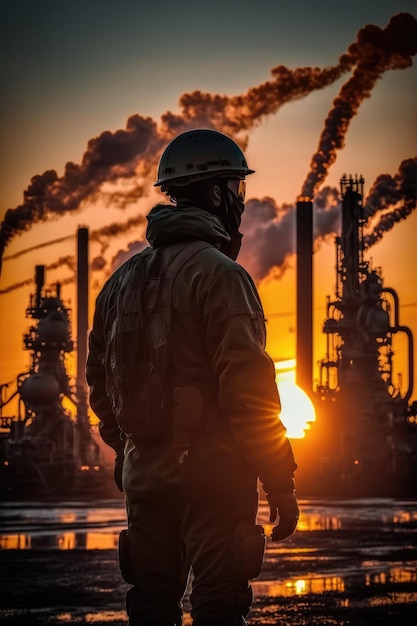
(96, 526)
(350, 514)
(69, 526)
(299, 586)
(62, 541)
(25, 526)
(93, 618)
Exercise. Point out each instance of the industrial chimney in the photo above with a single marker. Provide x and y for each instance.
(304, 326)
(82, 328)
(82, 304)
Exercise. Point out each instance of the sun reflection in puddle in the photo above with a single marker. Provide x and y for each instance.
(61, 541)
(105, 616)
(70, 527)
(320, 584)
(93, 618)
(297, 586)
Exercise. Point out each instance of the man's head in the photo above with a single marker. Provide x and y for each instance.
(207, 168)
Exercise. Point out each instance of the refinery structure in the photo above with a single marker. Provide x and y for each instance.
(49, 449)
(364, 440)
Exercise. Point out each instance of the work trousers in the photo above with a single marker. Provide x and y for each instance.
(182, 518)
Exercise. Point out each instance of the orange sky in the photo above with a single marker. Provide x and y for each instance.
(59, 123)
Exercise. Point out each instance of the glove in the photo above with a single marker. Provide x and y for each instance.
(283, 505)
(118, 469)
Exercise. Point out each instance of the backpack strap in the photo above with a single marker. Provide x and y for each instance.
(159, 320)
(138, 348)
(186, 253)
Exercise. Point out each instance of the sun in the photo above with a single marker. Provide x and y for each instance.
(297, 411)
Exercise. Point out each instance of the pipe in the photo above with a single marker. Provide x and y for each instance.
(407, 331)
(403, 329)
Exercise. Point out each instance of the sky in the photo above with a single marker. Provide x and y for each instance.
(93, 91)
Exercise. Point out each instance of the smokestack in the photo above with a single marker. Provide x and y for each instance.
(82, 328)
(40, 281)
(304, 338)
(82, 305)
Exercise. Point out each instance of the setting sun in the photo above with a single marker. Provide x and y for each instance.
(297, 409)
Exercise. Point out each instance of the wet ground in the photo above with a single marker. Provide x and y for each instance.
(349, 563)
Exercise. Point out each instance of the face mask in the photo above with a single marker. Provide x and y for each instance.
(234, 196)
(232, 248)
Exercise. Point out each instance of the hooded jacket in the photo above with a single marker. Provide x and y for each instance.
(217, 344)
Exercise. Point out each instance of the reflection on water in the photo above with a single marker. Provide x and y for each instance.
(349, 514)
(297, 586)
(68, 526)
(93, 618)
(319, 584)
(62, 541)
(96, 526)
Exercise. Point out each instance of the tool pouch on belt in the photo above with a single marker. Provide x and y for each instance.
(249, 543)
(125, 558)
(187, 416)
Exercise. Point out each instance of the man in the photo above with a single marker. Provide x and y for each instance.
(194, 420)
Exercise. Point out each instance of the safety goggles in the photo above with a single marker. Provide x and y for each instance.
(238, 187)
(241, 190)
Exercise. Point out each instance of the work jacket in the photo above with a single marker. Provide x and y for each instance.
(217, 345)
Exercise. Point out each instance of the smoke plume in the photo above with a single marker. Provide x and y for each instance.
(38, 246)
(132, 154)
(390, 200)
(68, 261)
(110, 157)
(15, 286)
(102, 235)
(268, 245)
(376, 51)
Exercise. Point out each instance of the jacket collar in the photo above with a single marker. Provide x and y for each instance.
(168, 224)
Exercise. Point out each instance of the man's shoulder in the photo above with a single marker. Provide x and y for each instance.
(121, 274)
(212, 259)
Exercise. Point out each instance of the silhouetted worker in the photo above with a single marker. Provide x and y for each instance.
(186, 395)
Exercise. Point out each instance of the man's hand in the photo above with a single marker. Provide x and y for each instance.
(118, 470)
(285, 507)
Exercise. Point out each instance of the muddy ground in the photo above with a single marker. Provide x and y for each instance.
(361, 574)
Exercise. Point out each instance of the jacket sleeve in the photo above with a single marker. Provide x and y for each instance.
(96, 379)
(248, 392)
